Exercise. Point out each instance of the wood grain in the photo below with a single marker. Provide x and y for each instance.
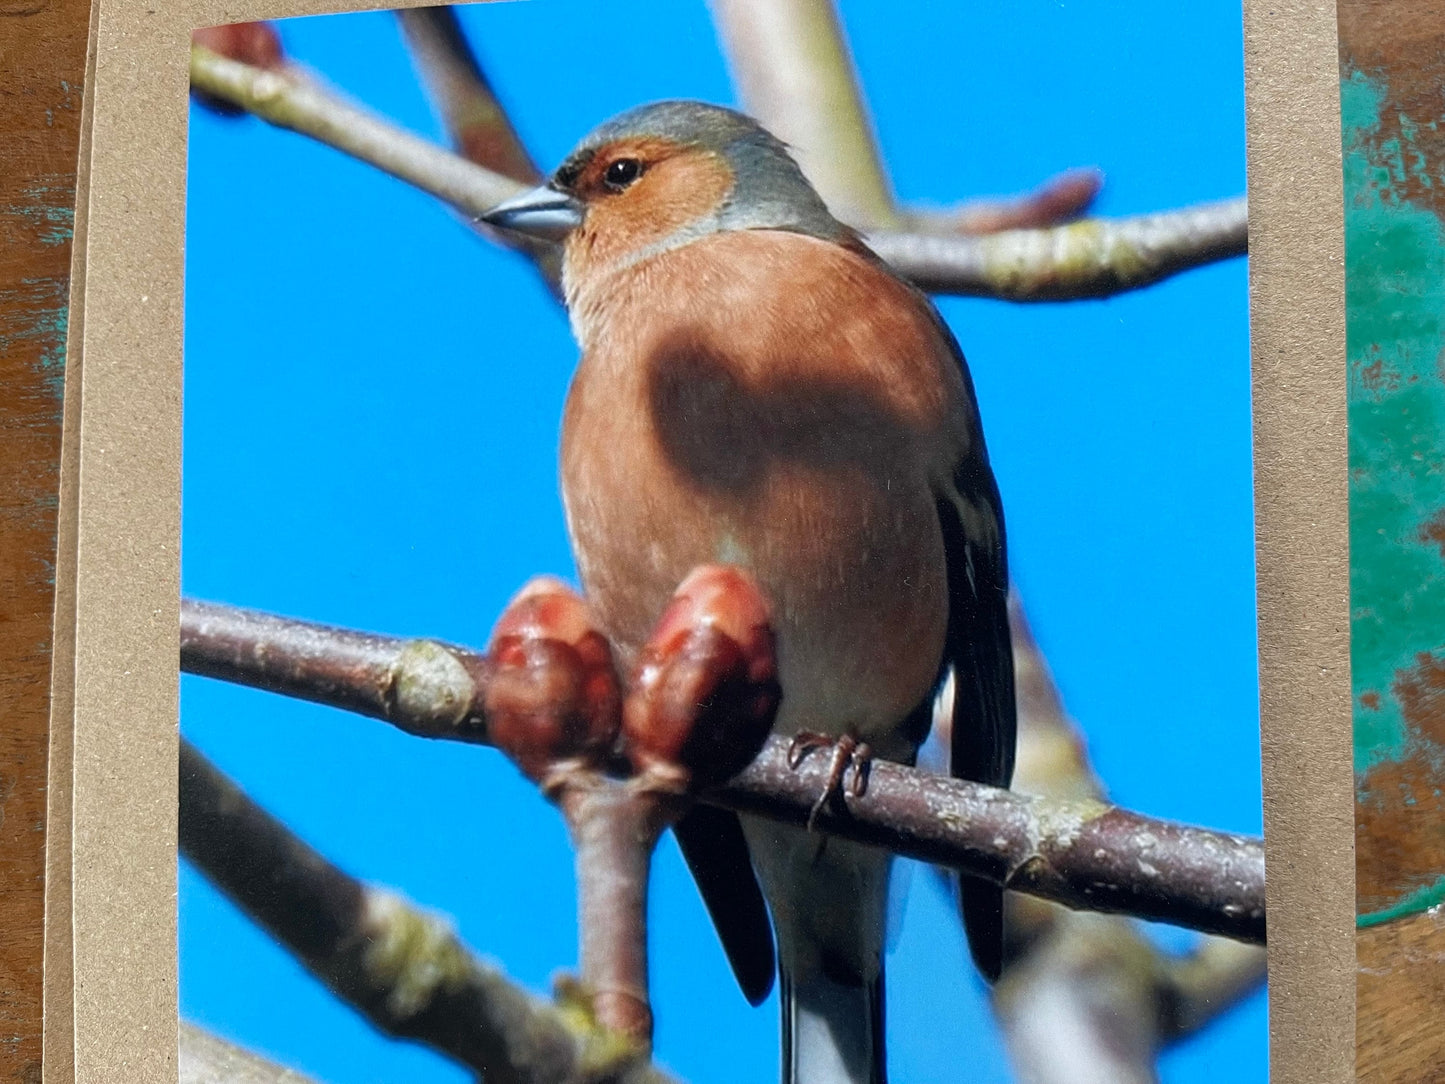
(44, 48)
(1400, 994)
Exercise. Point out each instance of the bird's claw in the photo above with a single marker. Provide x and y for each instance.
(848, 753)
(803, 743)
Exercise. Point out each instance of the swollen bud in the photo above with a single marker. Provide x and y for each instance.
(705, 687)
(257, 44)
(553, 697)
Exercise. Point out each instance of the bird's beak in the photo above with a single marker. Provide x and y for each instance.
(546, 213)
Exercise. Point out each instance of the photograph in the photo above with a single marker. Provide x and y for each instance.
(718, 545)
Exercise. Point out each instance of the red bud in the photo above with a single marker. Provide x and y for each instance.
(257, 44)
(705, 689)
(554, 694)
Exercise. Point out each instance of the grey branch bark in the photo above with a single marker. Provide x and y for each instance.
(1089, 258)
(289, 99)
(403, 969)
(1093, 257)
(1081, 853)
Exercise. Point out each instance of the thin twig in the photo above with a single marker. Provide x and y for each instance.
(462, 96)
(404, 970)
(1084, 854)
(289, 99)
(479, 127)
(1058, 200)
(791, 65)
(1094, 257)
(614, 833)
(1090, 258)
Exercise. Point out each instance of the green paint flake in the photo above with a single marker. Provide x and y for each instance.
(48, 210)
(34, 317)
(1395, 345)
(1422, 899)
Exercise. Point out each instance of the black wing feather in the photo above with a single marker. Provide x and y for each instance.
(716, 851)
(980, 652)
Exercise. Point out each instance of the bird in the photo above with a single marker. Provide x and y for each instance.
(756, 388)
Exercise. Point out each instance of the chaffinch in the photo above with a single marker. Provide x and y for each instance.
(758, 389)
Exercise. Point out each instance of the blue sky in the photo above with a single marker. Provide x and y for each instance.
(372, 398)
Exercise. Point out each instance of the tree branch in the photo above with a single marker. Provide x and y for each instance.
(289, 99)
(1059, 199)
(461, 94)
(1083, 854)
(1089, 998)
(1094, 257)
(1085, 259)
(479, 128)
(791, 65)
(404, 970)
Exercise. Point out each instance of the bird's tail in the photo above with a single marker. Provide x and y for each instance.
(832, 1030)
(982, 906)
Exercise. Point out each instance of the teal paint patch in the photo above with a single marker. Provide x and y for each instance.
(1395, 346)
(35, 321)
(49, 211)
(1422, 899)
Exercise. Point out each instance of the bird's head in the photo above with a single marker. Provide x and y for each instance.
(660, 176)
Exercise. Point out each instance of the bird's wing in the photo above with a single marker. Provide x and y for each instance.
(979, 651)
(716, 852)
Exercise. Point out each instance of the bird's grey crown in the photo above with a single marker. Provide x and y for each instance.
(769, 190)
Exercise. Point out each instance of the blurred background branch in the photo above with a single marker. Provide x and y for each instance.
(1085, 259)
(208, 1059)
(461, 96)
(1085, 997)
(477, 124)
(793, 71)
(403, 969)
(1058, 200)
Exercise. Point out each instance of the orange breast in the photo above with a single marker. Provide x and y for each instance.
(776, 402)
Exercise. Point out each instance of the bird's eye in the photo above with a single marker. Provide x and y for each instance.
(622, 173)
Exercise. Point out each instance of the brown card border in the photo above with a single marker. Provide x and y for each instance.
(127, 569)
(58, 1024)
(1297, 334)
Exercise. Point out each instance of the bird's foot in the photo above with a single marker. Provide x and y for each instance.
(848, 753)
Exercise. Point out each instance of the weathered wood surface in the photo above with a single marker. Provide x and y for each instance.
(1392, 65)
(1401, 992)
(42, 67)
